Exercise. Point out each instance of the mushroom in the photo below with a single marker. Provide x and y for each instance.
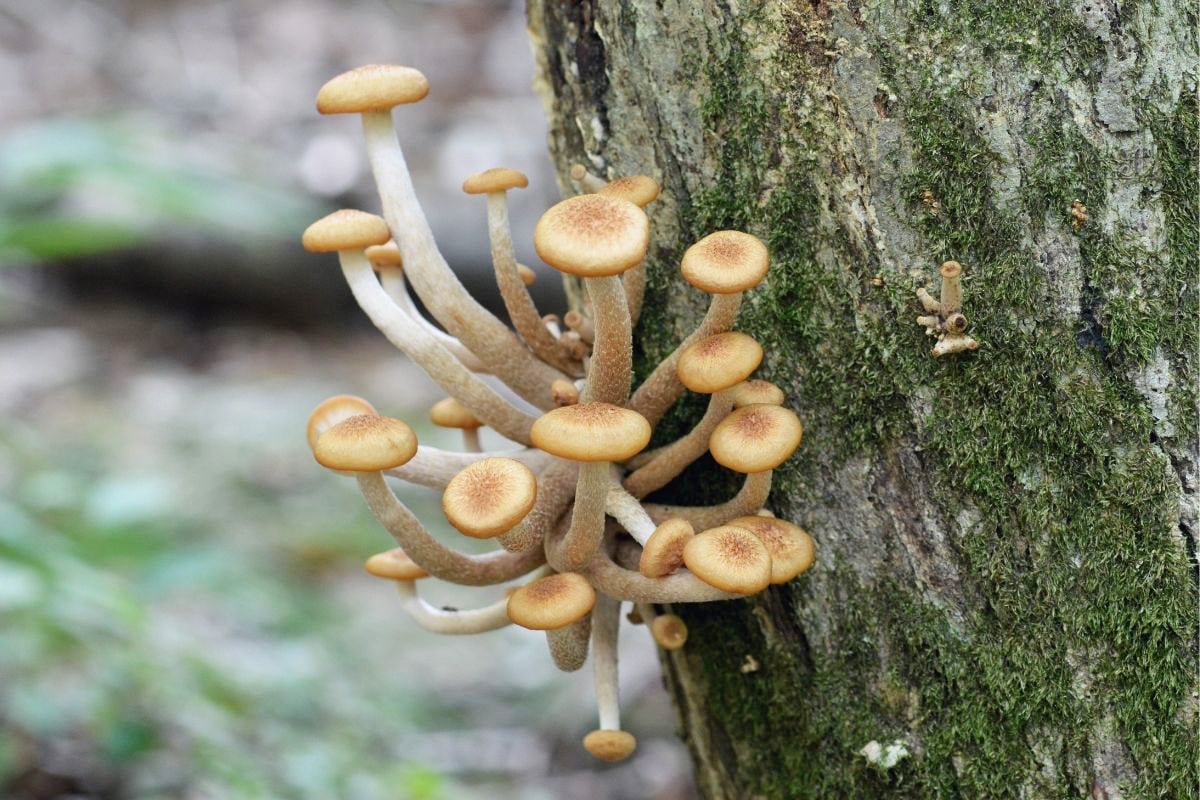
(609, 742)
(641, 190)
(944, 316)
(449, 413)
(731, 559)
(669, 631)
(586, 180)
(373, 91)
(791, 548)
(554, 601)
(331, 411)
(490, 497)
(757, 392)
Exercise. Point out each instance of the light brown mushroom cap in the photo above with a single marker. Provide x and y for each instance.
(792, 549)
(564, 393)
(394, 565)
(731, 559)
(528, 276)
(384, 255)
(755, 392)
(331, 411)
(489, 497)
(374, 87)
(610, 746)
(591, 432)
(450, 413)
(496, 179)
(718, 362)
(726, 262)
(366, 443)
(756, 438)
(663, 552)
(669, 631)
(950, 269)
(552, 602)
(592, 236)
(346, 229)
(641, 190)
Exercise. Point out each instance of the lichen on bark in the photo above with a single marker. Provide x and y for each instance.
(1006, 579)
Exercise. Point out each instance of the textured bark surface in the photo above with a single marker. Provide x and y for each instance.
(1006, 583)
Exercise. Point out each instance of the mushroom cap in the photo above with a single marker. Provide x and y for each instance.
(346, 229)
(718, 362)
(366, 443)
(564, 393)
(663, 552)
(950, 269)
(726, 262)
(552, 602)
(755, 392)
(669, 631)
(331, 411)
(756, 438)
(394, 565)
(384, 255)
(641, 190)
(591, 432)
(610, 746)
(792, 549)
(450, 413)
(528, 276)
(489, 497)
(731, 559)
(496, 179)
(592, 236)
(374, 87)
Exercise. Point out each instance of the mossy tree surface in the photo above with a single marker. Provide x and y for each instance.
(1006, 583)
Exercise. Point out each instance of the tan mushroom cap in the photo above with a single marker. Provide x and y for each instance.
(731, 559)
(641, 190)
(394, 565)
(610, 746)
(331, 411)
(384, 255)
(450, 413)
(374, 87)
(663, 551)
(591, 432)
(366, 443)
(552, 602)
(528, 276)
(718, 362)
(592, 236)
(346, 229)
(726, 262)
(792, 549)
(669, 631)
(564, 393)
(756, 438)
(496, 179)
(950, 269)
(756, 392)
(489, 497)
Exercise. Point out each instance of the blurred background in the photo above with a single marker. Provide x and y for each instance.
(183, 612)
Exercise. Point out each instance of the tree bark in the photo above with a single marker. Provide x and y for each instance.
(1005, 594)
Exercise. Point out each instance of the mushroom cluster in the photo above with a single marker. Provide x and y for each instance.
(566, 502)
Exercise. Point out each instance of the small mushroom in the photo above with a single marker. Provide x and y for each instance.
(490, 497)
(449, 413)
(554, 601)
(731, 559)
(609, 742)
(791, 548)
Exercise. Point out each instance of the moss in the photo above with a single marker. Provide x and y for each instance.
(1080, 616)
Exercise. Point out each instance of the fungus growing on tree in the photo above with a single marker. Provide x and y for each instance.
(564, 501)
(943, 317)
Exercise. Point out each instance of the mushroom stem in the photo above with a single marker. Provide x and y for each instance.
(581, 324)
(606, 623)
(634, 282)
(430, 554)
(556, 486)
(457, 622)
(449, 373)
(615, 580)
(587, 181)
(587, 517)
(434, 468)
(625, 509)
(951, 294)
(659, 391)
(672, 459)
(498, 348)
(521, 310)
(470, 437)
(928, 302)
(569, 645)
(749, 499)
(611, 368)
(392, 280)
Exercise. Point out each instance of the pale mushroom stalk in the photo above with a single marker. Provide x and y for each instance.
(587, 181)
(611, 369)
(634, 283)
(606, 623)
(459, 621)
(497, 346)
(587, 516)
(471, 440)
(626, 510)
(615, 580)
(392, 280)
(951, 294)
(662, 388)
(521, 310)
(450, 373)
(430, 554)
(434, 468)
(672, 459)
(749, 499)
(569, 645)
(581, 324)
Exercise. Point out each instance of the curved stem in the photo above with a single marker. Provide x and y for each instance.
(392, 280)
(455, 622)
(614, 580)
(449, 373)
(606, 625)
(626, 510)
(749, 499)
(430, 554)
(556, 488)
(496, 345)
(611, 368)
(434, 468)
(587, 517)
(672, 459)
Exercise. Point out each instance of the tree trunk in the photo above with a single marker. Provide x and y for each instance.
(1005, 594)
